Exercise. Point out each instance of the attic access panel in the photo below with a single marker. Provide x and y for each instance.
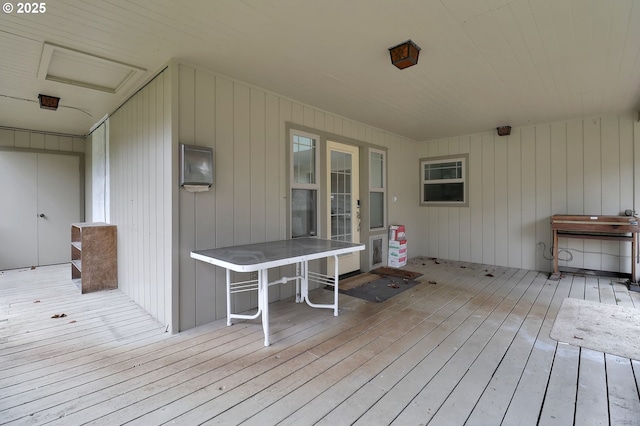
(81, 69)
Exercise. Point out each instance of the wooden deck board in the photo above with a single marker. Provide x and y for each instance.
(491, 406)
(460, 403)
(425, 337)
(155, 374)
(473, 349)
(591, 397)
(334, 401)
(624, 405)
(560, 400)
(442, 394)
(529, 396)
(405, 378)
(346, 329)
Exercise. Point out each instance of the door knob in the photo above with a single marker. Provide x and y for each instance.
(41, 215)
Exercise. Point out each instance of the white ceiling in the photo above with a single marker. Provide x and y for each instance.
(483, 63)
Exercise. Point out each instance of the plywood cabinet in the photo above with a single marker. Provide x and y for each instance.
(94, 256)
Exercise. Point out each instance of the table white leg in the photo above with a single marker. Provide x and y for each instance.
(229, 297)
(263, 276)
(335, 286)
(298, 295)
(305, 280)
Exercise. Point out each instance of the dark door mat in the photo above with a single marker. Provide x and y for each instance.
(356, 280)
(394, 272)
(381, 289)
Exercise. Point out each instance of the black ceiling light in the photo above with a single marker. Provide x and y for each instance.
(405, 54)
(48, 102)
(504, 130)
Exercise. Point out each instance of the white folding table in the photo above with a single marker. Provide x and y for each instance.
(260, 257)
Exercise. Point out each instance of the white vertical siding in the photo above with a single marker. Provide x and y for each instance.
(611, 185)
(559, 172)
(205, 206)
(501, 200)
(26, 139)
(488, 199)
(514, 200)
(582, 166)
(575, 186)
(543, 193)
(96, 175)
(592, 188)
(528, 194)
(465, 214)
(141, 170)
(627, 166)
(475, 198)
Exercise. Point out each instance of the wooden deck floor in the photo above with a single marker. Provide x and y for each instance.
(473, 348)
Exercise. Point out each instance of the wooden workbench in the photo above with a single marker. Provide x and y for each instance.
(612, 228)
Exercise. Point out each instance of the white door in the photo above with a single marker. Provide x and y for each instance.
(344, 202)
(18, 219)
(40, 200)
(58, 206)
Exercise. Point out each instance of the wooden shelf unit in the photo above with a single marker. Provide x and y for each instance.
(94, 256)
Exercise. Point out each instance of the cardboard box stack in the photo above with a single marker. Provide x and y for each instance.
(397, 246)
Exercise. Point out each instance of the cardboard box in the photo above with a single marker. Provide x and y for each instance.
(398, 244)
(397, 262)
(398, 258)
(398, 252)
(397, 233)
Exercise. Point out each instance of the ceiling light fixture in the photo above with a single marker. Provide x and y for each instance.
(48, 102)
(504, 130)
(405, 54)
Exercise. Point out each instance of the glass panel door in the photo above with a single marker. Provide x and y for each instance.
(344, 215)
(341, 196)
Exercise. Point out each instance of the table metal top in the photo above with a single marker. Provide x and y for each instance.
(253, 257)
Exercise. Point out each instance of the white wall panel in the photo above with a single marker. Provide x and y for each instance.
(465, 214)
(205, 203)
(433, 150)
(501, 202)
(242, 178)
(442, 215)
(528, 223)
(610, 162)
(559, 177)
(575, 190)
(488, 199)
(37, 141)
(27, 139)
(582, 166)
(187, 200)
(476, 202)
(289, 112)
(514, 199)
(626, 180)
(543, 193)
(140, 147)
(592, 186)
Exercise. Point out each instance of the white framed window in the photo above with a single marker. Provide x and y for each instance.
(305, 184)
(377, 189)
(444, 181)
